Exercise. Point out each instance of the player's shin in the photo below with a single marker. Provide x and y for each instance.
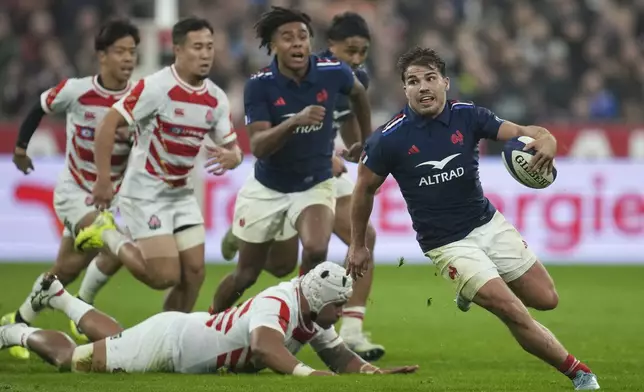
(252, 258)
(534, 338)
(314, 226)
(190, 244)
(98, 273)
(354, 310)
(26, 314)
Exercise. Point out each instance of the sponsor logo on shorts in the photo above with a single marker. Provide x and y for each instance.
(242, 222)
(154, 222)
(453, 272)
(118, 335)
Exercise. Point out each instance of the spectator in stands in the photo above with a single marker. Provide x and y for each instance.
(529, 61)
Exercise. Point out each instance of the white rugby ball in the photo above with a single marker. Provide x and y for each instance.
(516, 161)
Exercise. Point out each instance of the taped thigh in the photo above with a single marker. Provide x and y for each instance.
(190, 237)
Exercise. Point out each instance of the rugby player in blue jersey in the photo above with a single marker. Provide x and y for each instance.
(289, 113)
(349, 40)
(431, 150)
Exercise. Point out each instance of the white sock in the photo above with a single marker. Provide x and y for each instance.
(17, 335)
(93, 281)
(26, 311)
(114, 240)
(73, 307)
(352, 318)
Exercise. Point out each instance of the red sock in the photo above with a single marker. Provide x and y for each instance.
(571, 366)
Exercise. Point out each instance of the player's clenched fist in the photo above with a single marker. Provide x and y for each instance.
(22, 160)
(102, 193)
(311, 115)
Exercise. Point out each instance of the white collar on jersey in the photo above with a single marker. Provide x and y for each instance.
(186, 86)
(109, 93)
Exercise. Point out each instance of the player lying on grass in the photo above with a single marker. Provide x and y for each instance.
(266, 331)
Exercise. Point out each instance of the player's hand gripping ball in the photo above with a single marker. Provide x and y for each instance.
(517, 161)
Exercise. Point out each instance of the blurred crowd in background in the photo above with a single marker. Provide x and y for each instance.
(529, 61)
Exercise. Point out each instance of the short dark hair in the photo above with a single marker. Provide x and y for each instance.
(181, 29)
(113, 31)
(423, 57)
(271, 20)
(348, 24)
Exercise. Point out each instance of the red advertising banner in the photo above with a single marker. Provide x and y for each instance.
(593, 213)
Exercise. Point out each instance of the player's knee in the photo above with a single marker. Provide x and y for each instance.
(280, 270)
(166, 275)
(548, 300)
(194, 273)
(245, 278)
(66, 276)
(315, 249)
(67, 272)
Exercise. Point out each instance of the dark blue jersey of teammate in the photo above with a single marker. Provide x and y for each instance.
(435, 162)
(342, 111)
(305, 159)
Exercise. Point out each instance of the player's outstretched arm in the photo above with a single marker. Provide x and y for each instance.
(267, 345)
(340, 359)
(364, 192)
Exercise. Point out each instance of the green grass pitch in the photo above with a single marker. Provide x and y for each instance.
(600, 320)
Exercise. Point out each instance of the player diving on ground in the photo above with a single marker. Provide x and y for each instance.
(265, 331)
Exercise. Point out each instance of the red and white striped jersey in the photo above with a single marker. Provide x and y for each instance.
(225, 337)
(172, 118)
(85, 102)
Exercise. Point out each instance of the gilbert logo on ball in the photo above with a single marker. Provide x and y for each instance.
(516, 161)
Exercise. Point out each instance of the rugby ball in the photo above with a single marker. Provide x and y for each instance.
(516, 161)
